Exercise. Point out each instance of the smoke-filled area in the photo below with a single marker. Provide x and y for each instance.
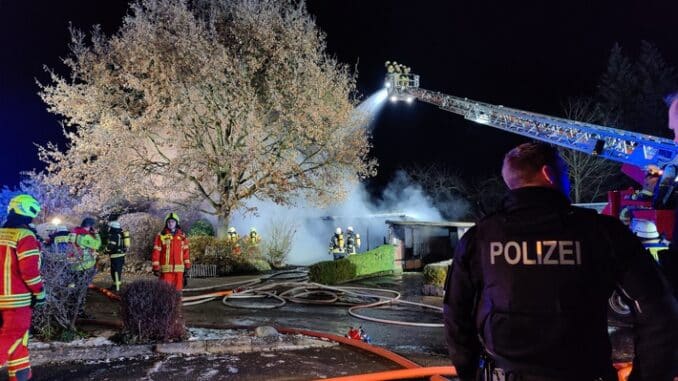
(401, 199)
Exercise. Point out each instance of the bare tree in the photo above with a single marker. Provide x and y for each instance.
(588, 173)
(451, 194)
(208, 104)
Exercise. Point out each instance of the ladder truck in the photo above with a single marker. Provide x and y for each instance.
(637, 152)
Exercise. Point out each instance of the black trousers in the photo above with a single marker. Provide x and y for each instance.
(116, 271)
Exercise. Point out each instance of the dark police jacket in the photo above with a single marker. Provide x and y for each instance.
(532, 281)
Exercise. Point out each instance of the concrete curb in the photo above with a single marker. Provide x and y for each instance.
(241, 344)
(244, 345)
(60, 353)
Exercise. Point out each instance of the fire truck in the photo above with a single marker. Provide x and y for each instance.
(638, 153)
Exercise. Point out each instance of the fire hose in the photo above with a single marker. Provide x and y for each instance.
(412, 369)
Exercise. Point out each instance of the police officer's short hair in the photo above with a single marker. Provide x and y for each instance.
(669, 98)
(527, 160)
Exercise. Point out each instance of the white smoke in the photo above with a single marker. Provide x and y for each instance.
(314, 226)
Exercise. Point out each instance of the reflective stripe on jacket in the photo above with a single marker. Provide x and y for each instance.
(19, 268)
(171, 252)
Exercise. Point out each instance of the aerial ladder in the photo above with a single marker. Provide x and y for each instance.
(636, 151)
(627, 147)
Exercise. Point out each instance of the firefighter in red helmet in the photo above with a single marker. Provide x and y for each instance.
(22, 289)
(170, 256)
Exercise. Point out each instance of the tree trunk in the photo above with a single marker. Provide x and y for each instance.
(222, 225)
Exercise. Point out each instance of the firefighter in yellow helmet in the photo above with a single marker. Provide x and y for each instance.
(170, 257)
(337, 245)
(22, 288)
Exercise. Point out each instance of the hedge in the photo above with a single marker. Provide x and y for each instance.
(435, 273)
(373, 262)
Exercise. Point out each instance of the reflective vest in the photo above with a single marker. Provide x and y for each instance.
(19, 268)
(170, 252)
(655, 246)
(254, 238)
(85, 245)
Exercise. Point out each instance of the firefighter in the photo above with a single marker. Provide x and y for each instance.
(233, 239)
(252, 241)
(170, 258)
(352, 241)
(22, 288)
(85, 242)
(337, 245)
(116, 247)
(253, 238)
(526, 295)
(647, 233)
(59, 239)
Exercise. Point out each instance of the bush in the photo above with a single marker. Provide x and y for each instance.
(373, 262)
(278, 243)
(227, 257)
(201, 228)
(66, 290)
(151, 312)
(435, 273)
(143, 228)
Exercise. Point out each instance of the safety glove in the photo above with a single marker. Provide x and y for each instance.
(38, 299)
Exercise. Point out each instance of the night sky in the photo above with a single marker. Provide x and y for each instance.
(531, 55)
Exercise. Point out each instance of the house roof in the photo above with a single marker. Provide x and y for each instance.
(437, 224)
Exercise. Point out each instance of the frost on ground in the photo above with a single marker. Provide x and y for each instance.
(214, 334)
(89, 342)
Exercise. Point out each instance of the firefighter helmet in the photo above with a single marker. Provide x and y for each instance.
(644, 229)
(350, 229)
(61, 228)
(337, 231)
(231, 229)
(24, 205)
(88, 222)
(253, 229)
(114, 224)
(172, 216)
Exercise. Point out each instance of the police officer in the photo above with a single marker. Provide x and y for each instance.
(527, 293)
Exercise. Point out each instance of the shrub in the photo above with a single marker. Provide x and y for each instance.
(201, 228)
(227, 257)
(278, 243)
(143, 228)
(151, 312)
(65, 291)
(370, 263)
(435, 273)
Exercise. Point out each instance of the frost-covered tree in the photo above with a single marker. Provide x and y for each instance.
(54, 199)
(207, 104)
